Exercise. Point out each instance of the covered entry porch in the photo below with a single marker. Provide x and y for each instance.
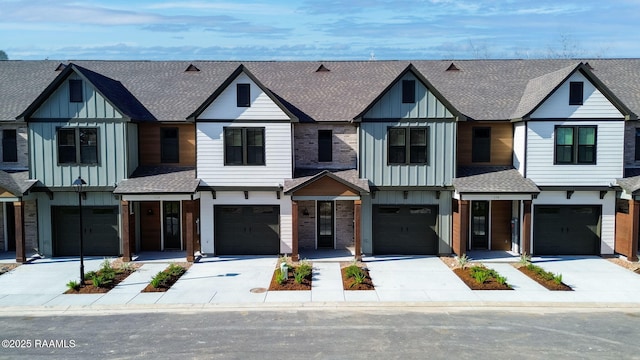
(492, 210)
(160, 209)
(326, 210)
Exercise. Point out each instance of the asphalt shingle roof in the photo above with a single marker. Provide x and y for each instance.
(492, 179)
(480, 90)
(159, 180)
(16, 183)
(349, 177)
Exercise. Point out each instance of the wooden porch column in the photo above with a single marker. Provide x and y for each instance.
(189, 223)
(357, 211)
(526, 228)
(294, 230)
(126, 230)
(634, 212)
(463, 240)
(21, 255)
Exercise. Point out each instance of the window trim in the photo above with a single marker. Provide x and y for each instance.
(76, 91)
(13, 142)
(325, 150)
(78, 146)
(575, 145)
(408, 145)
(475, 156)
(165, 158)
(244, 146)
(576, 88)
(408, 91)
(243, 95)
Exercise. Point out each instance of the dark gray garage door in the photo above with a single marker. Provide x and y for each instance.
(566, 230)
(247, 230)
(409, 230)
(100, 231)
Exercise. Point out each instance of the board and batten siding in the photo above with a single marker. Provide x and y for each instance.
(207, 203)
(595, 104)
(390, 106)
(519, 147)
(45, 226)
(132, 148)
(225, 105)
(609, 165)
(94, 106)
(441, 154)
(445, 216)
(210, 157)
(608, 220)
(112, 154)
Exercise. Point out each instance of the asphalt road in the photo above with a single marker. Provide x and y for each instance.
(345, 333)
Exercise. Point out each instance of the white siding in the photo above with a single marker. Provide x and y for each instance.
(519, 145)
(595, 105)
(541, 149)
(210, 156)
(207, 202)
(225, 106)
(607, 228)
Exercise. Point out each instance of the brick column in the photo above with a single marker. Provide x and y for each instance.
(189, 224)
(294, 230)
(526, 228)
(126, 230)
(21, 255)
(357, 232)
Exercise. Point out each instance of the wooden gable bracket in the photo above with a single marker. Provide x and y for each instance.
(246, 195)
(438, 194)
(373, 194)
(534, 196)
(603, 193)
(569, 193)
(278, 195)
(213, 194)
(405, 194)
(49, 193)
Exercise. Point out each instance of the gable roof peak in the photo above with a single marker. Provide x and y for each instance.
(322, 68)
(191, 68)
(453, 67)
(60, 67)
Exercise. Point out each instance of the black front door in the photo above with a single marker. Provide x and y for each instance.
(325, 224)
(171, 222)
(480, 225)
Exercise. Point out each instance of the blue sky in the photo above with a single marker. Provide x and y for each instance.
(318, 30)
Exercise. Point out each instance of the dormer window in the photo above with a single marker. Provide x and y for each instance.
(408, 91)
(576, 92)
(75, 91)
(243, 95)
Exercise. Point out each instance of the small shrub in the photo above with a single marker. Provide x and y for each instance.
(463, 261)
(304, 267)
(480, 274)
(352, 271)
(557, 278)
(298, 277)
(284, 259)
(501, 280)
(525, 259)
(90, 275)
(280, 277)
(127, 266)
(358, 278)
(175, 270)
(73, 285)
(545, 275)
(160, 280)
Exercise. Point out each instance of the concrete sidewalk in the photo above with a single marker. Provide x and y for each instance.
(244, 281)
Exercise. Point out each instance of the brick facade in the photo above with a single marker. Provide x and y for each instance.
(344, 146)
(344, 224)
(306, 225)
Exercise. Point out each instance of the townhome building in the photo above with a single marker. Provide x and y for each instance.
(373, 157)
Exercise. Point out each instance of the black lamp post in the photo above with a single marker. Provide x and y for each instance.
(78, 184)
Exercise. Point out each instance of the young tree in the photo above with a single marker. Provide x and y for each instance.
(3, 55)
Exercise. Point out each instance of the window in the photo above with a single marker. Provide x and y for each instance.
(75, 90)
(68, 150)
(408, 91)
(169, 145)
(481, 144)
(325, 139)
(576, 92)
(637, 144)
(243, 95)
(407, 146)
(9, 146)
(244, 146)
(575, 145)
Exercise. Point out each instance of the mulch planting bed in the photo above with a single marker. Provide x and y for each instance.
(290, 283)
(348, 283)
(489, 284)
(88, 287)
(5, 268)
(549, 284)
(168, 283)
